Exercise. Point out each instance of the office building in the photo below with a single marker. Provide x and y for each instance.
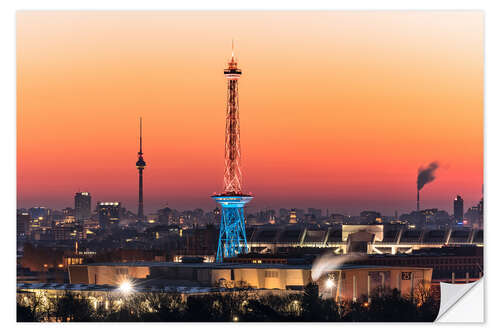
(82, 205)
(109, 214)
(458, 209)
(23, 224)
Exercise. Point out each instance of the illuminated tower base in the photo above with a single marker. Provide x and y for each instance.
(232, 235)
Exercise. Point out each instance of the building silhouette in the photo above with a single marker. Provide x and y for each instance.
(23, 224)
(292, 218)
(109, 214)
(458, 209)
(83, 202)
(370, 217)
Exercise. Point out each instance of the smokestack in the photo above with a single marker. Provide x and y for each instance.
(425, 176)
(418, 200)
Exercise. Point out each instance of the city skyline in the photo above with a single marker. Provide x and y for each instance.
(318, 123)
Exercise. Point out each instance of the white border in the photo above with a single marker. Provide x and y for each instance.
(8, 137)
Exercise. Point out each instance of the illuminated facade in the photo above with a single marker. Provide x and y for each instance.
(109, 213)
(232, 236)
(345, 282)
(293, 217)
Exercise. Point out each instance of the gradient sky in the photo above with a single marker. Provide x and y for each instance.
(338, 109)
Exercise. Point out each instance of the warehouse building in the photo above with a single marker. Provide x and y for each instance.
(347, 282)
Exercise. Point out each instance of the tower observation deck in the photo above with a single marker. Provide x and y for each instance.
(232, 235)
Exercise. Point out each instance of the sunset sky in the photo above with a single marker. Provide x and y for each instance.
(338, 109)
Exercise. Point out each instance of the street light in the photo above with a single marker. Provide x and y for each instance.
(126, 287)
(330, 283)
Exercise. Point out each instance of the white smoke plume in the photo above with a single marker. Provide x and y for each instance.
(329, 262)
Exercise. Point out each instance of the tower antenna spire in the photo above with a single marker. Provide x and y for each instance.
(140, 135)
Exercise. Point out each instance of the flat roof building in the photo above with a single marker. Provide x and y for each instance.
(348, 282)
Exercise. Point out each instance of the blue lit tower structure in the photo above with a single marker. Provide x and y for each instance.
(140, 166)
(232, 235)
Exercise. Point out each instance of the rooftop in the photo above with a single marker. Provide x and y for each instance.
(233, 265)
(109, 288)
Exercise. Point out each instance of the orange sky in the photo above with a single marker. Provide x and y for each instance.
(338, 109)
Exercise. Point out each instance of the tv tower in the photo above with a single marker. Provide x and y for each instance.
(232, 235)
(140, 166)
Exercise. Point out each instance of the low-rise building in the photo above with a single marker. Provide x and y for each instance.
(347, 282)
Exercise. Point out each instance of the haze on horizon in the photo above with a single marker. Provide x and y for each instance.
(338, 109)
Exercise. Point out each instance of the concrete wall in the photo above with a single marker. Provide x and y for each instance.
(268, 278)
(112, 275)
(371, 282)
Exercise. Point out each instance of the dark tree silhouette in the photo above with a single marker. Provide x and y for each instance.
(71, 308)
(233, 305)
(25, 313)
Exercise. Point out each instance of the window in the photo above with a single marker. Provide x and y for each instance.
(123, 271)
(271, 274)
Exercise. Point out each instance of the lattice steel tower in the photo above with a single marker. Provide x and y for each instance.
(232, 235)
(140, 166)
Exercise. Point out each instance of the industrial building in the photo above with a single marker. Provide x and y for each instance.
(348, 282)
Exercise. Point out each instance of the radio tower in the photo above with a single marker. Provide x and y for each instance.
(232, 235)
(140, 166)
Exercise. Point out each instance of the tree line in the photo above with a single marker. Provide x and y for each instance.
(239, 306)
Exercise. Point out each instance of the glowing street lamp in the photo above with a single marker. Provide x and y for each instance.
(126, 287)
(330, 283)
